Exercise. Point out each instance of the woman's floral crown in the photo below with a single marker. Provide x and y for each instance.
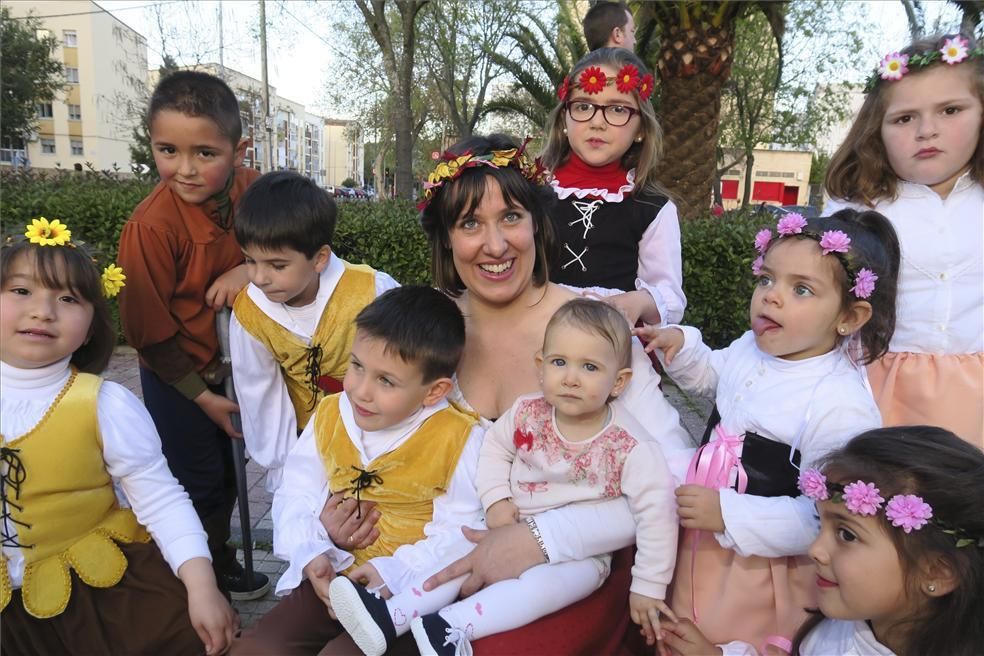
(895, 65)
(450, 166)
(834, 242)
(906, 511)
(43, 232)
(593, 80)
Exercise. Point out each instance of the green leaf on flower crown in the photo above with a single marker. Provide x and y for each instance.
(964, 542)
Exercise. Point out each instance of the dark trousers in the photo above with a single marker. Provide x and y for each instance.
(199, 454)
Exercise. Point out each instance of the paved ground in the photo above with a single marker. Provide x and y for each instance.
(123, 369)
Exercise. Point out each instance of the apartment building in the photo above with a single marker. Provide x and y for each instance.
(92, 121)
(345, 152)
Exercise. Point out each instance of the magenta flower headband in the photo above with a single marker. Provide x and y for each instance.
(834, 242)
(906, 511)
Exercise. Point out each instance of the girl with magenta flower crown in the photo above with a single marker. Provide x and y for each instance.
(787, 392)
(915, 154)
(79, 573)
(615, 227)
(899, 562)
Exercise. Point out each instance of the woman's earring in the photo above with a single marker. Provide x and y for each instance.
(931, 587)
(638, 139)
(565, 130)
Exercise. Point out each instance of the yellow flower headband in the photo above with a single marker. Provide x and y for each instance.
(43, 232)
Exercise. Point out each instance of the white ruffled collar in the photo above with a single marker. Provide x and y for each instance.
(604, 194)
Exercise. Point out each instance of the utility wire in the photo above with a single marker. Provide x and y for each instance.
(101, 10)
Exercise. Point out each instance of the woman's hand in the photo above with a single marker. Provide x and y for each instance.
(226, 287)
(350, 524)
(668, 340)
(699, 508)
(500, 554)
(635, 306)
(645, 611)
(685, 639)
(220, 410)
(211, 615)
(501, 513)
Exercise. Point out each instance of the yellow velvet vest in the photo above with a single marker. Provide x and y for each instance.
(66, 510)
(406, 480)
(332, 339)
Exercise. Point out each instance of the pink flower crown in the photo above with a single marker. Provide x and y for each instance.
(895, 65)
(450, 166)
(593, 80)
(906, 511)
(834, 242)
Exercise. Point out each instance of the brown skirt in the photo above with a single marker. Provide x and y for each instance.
(145, 613)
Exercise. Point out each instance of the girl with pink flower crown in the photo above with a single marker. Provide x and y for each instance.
(615, 227)
(787, 392)
(899, 562)
(915, 154)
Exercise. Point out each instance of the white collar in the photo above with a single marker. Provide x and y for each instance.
(390, 437)
(29, 384)
(916, 190)
(604, 194)
(327, 282)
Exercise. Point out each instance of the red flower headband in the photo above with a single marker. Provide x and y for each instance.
(593, 80)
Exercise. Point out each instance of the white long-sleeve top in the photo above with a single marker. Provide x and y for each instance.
(814, 405)
(829, 638)
(268, 416)
(526, 457)
(941, 281)
(131, 451)
(299, 536)
(660, 261)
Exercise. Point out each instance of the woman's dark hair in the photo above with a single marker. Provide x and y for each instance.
(874, 246)
(948, 473)
(283, 209)
(461, 196)
(70, 267)
(859, 170)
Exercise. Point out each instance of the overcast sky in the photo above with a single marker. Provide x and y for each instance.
(302, 51)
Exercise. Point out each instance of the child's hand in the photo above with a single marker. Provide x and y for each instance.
(226, 287)
(368, 576)
(210, 613)
(634, 306)
(501, 513)
(645, 611)
(219, 409)
(685, 639)
(320, 573)
(350, 524)
(668, 340)
(699, 508)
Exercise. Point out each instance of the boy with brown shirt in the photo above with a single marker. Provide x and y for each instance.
(183, 263)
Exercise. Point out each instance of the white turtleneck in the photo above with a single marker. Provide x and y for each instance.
(131, 451)
(299, 536)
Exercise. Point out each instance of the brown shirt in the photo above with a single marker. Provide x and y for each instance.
(171, 252)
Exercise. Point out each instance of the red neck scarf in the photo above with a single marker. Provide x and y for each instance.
(575, 173)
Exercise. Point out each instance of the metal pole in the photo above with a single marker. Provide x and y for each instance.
(238, 447)
(267, 120)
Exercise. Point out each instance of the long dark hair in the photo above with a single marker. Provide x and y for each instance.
(81, 277)
(948, 473)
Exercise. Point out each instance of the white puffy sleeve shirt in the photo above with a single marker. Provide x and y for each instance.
(269, 421)
(131, 451)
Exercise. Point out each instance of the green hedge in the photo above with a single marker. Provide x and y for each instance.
(717, 251)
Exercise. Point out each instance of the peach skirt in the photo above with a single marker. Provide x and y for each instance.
(752, 599)
(935, 390)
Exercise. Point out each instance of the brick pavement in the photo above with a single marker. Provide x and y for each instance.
(123, 369)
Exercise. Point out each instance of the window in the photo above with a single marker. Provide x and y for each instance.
(48, 146)
(70, 38)
(71, 75)
(45, 110)
(75, 112)
(77, 148)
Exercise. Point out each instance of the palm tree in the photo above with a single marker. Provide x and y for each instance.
(696, 41)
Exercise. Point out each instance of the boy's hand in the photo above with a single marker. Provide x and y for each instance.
(347, 528)
(501, 513)
(226, 287)
(219, 408)
(699, 508)
(320, 573)
(685, 639)
(668, 340)
(645, 611)
(635, 306)
(210, 613)
(368, 576)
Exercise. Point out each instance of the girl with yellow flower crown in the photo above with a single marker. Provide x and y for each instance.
(76, 562)
(615, 227)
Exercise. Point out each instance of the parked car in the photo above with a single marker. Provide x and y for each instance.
(779, 211)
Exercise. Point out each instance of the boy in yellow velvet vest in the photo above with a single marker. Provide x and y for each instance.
(292, 326)
(391, 438)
